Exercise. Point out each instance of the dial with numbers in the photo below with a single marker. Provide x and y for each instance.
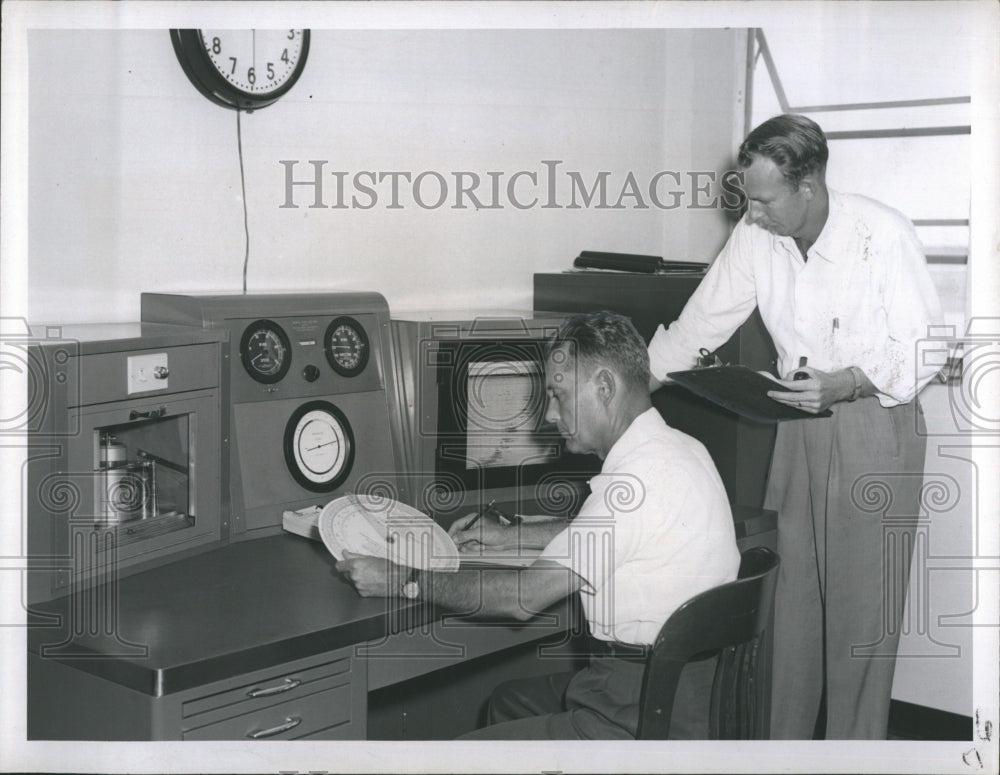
(319, 446)
(346, 346)
(242, 69)
(265, 351)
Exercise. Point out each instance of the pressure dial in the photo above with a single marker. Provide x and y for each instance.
(346, 345)
(319, 446)
(265, 351)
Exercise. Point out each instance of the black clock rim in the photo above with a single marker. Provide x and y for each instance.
(206, 79)
(286, 364)
(289, 446)
(360, 330)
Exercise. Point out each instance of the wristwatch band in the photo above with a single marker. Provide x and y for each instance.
(856, 376)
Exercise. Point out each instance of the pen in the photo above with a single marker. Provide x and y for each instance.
(801, 374)
(476, 518)
(501, 517)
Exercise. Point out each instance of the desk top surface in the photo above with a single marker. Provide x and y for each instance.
(245, 606)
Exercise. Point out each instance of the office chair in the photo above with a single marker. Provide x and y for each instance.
(731, 620)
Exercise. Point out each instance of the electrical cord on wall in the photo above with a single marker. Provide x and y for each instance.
(243, 186)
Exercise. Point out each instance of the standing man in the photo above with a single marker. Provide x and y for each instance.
(655, 531)
(842, 284)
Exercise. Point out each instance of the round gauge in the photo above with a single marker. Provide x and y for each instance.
(265, 351)
(319, 446)
(346, 345)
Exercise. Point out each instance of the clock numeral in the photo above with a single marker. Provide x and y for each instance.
(242, 68)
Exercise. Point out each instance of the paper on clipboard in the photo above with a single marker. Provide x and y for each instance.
(513, 557)
(741, 390)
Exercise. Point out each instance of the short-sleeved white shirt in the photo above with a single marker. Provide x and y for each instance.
(655, 531)
(864, 298)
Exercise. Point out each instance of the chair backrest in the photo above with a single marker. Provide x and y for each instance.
(731, 621)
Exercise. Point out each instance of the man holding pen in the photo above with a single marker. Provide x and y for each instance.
(843, 288)
(655, 530)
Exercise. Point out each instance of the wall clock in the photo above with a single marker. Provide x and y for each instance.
(242, 69)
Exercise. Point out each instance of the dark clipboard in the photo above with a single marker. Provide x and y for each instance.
(740, 390)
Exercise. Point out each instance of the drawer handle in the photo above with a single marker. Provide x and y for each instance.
(290, 723)
(290, 683)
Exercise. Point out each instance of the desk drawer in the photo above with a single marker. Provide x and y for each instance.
(324, 713)
(269, 689)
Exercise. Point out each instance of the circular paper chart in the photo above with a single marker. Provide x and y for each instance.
(383, 527)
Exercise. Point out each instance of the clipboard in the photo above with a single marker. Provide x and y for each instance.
(740, 390)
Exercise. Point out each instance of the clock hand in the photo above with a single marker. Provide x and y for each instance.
(324, 444)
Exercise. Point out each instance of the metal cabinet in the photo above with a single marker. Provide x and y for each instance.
(312, 701)
(124, 463)
(323, 697)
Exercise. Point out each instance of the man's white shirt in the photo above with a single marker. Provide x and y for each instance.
(656, 530)
(864, 298)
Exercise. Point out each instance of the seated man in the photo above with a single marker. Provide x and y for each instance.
(655, 531)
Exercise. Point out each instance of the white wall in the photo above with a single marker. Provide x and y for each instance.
(134, 181)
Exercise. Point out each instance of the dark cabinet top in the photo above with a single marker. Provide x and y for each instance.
(246, 606)
(242, 607)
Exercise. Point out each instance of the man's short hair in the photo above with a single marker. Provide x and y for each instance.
(794, 143)
(604, 339)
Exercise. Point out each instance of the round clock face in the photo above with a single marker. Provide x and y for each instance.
(319, 446)
(346, 346)
(243, 69)
(265, 351)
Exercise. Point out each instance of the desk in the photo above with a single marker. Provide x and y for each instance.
(237, 641)
(262, 637)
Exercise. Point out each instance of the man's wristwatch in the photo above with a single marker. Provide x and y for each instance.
(411, 589)
(856, 376)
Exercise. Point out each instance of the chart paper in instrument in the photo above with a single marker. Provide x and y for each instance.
(505, 405)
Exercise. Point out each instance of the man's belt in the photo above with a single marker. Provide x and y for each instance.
(611, 648)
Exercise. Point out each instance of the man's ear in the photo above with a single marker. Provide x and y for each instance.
(808, 186)
(606, 385)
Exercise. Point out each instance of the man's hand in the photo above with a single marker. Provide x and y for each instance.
(486, 532)
(371, 576)
(818, 392)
